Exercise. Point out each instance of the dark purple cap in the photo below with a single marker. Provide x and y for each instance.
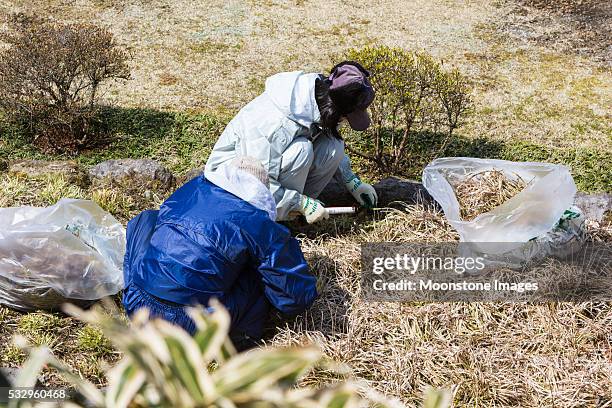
(350, 81)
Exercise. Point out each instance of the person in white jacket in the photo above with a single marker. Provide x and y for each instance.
(292, 129)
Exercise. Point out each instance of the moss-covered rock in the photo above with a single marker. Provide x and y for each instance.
(135, 176)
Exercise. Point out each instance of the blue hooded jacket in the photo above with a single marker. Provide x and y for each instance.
(205, 242)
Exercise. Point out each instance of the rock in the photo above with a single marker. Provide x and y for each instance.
(594, 206)
(71, 170)
(132, 174)
(190, 175)
(390, 191)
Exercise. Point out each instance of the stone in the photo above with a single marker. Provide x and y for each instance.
(594, 206)
(390, 192)
(70, 169)
(193, 173)
(132, 174)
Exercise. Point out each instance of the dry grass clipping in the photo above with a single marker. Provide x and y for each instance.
(481, 192)
(600, 231)
(488, 354)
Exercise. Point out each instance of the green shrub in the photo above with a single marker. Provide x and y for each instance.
(50, 74)
(413, 94)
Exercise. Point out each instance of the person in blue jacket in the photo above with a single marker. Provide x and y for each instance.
(217, 238)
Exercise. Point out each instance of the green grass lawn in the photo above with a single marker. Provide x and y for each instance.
(182, 141)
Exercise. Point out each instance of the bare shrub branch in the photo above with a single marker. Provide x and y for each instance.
(50, 74)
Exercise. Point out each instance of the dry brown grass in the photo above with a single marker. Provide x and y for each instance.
(217, 54)
(585, 26)
(223, 50)
(600, 231)
(484, 191)
(488, 354)
(540, 92)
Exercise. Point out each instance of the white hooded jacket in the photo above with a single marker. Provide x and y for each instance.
(265, 127)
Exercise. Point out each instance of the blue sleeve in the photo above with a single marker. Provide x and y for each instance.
(289, 286)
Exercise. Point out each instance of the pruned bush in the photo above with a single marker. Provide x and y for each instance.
(413, 94)
(50, 77)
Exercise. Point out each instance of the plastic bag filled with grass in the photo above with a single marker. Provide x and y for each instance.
(508, 203)
(71, 251)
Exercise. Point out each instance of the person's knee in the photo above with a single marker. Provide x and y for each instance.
(328, 153)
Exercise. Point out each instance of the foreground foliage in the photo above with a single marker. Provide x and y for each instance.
(50, 77)
(163, 365)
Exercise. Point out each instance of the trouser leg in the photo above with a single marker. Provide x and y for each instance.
(306, 168)
(296, 162)
(328, 153)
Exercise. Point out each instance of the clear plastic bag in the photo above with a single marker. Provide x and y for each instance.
(528, 226)
(529, 214)
(72, 250)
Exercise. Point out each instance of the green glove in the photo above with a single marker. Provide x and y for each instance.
(364, 193)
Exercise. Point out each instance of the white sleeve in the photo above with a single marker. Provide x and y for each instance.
(286, 200)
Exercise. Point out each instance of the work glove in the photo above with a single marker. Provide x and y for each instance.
(364, 193)
(312, 209)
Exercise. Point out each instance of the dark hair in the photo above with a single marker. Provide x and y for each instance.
(330, 114)
(333, 105)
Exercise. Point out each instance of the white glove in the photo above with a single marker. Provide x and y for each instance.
(364, 193)
(312, 209)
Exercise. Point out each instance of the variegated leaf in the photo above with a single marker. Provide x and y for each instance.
(125, 381)
(253, 372)
(187, 363)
